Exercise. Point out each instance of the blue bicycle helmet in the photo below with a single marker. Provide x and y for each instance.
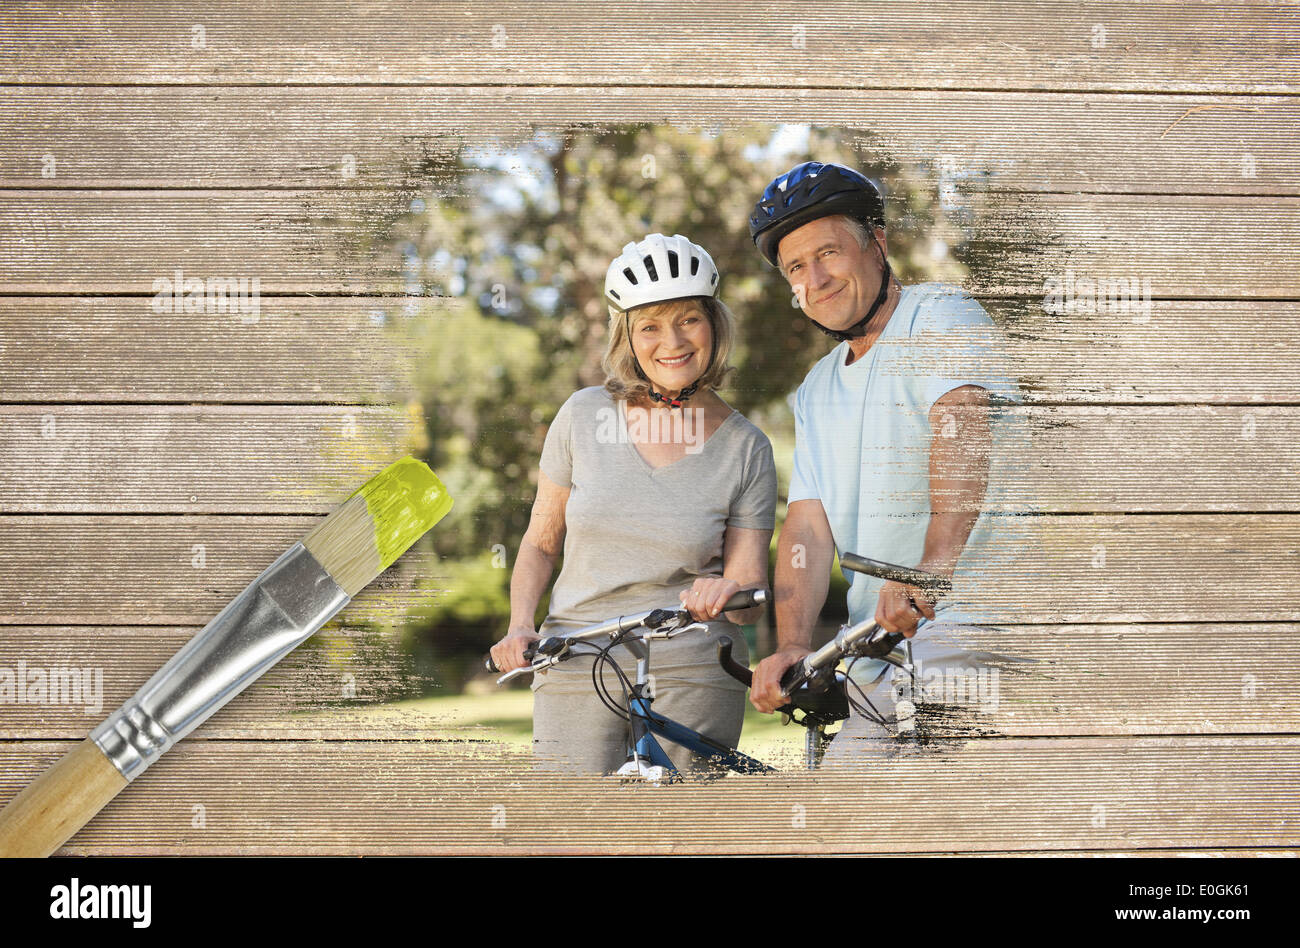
(807, 192)
(811, 191)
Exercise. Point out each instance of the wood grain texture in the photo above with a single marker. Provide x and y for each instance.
(167, 570)
(315, 241)
(58, 803)
(296, 459)
(169, 459)
(347, 137)
(1185, 352)
(1177, 47)
(326, 687)
(1063, 794)
(1083, 680)
(58, 569)
(291, 241)
(115, 349)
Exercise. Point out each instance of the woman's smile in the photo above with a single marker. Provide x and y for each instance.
(676, 360)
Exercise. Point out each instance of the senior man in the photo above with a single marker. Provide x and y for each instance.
(892, 436)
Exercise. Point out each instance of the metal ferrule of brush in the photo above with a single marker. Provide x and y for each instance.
(279, 610)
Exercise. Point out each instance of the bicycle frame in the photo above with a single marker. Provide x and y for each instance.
(646, 757)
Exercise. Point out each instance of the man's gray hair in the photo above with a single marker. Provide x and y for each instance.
(858, 229)
(855, 227)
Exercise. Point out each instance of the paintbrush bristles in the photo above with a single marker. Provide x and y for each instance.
(344, 543)
(377, 524)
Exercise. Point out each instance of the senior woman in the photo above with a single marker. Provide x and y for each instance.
(655, 490)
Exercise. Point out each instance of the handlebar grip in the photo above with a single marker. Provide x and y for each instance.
(741, 672)
(490, 665)
(899, 574)
(745, 599)
(732, 667)
(882, 645)
(793, 677)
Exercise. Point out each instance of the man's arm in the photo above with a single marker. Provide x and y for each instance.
(959, 466)
(803, 565)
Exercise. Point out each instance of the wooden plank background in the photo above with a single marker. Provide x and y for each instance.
(1158, 605)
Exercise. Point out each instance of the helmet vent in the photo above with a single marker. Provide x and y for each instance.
(672, 264)
(695, 265)
(631, 277)
(614, 293)
(650, 269)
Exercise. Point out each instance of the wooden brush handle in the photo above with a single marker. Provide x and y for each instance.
(59, 802)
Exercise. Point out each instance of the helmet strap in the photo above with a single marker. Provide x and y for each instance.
(859, 329)
(677, 402)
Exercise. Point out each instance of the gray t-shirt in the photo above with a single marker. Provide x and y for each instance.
(637, 535)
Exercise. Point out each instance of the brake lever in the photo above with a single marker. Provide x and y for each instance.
(675, 631)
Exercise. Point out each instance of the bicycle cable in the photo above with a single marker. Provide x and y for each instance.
(874, 714)
(603, 658)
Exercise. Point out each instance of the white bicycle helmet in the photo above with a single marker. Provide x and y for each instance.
(658, 269)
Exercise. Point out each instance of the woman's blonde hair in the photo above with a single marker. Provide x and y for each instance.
(621, 377)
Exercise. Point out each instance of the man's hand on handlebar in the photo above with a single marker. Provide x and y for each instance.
(765, 693)
(901, 606)
(508, 654)
(707, 597)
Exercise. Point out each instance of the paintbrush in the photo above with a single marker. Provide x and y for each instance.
(280, 610)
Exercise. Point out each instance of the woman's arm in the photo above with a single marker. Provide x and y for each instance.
(744, 566)
(538, 551)
(744, 559)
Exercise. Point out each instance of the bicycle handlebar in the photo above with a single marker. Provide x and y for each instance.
(899, 574)
(866, 639)
(744, 599)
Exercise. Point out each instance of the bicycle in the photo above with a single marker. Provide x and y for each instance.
(647, 759)
(819, 694)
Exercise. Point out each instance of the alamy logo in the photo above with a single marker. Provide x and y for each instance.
(682, 426)
(24, 684)
(951, 685)
(102, 901)
(188, 294)
(1068, 295)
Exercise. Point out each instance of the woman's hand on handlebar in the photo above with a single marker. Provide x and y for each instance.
(707, 596)
(765, 693)
(508, 654)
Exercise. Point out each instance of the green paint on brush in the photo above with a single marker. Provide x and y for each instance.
(404, 502)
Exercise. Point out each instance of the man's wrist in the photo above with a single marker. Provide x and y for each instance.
(940, 565)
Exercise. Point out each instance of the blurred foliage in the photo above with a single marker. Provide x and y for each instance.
(448, 641)
(508, 245)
